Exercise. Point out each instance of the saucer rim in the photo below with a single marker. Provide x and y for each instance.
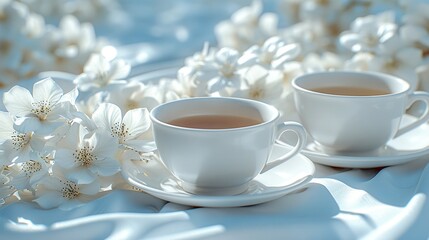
(223, 200)
(364, 161)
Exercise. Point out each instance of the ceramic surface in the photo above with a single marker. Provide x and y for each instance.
(155, 179)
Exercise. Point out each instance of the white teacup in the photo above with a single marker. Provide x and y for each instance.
(344, 122)
(219, 161)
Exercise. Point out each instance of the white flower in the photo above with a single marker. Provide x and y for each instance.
(190, 83)
(272, 54)
(19, 31)
(42, 112)
(212, 74)
(247, 27)
(172, 89)
(199, 58)
(326, 10)
(133, 95)
(312, 36)
(68, 47)
(99, 72)
(370, 33)
(58, 191)
(30, 172)
(226, 62)
(259, 84)
(16, 146)
(399, 59)
(127, 130)
(326, 61)
(86, 155)
(416, 25)
(360, 62)
(290, 70)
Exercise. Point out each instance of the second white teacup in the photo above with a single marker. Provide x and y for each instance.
(354, 111)
(216, 146)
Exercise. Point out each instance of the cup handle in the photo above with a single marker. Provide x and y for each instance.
(299, 130)
(416, 97)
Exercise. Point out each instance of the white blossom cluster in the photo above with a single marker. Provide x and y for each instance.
(55, 154)
(28, 45)
(84, 10)
(337, 34)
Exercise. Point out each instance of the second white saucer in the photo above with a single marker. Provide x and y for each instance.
(410, 146)
(155, 179)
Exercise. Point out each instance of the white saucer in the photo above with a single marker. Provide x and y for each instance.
(408, 147)
(155, 179)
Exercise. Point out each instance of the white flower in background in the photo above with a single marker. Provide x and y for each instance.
(291, 10)
(227, 66)
(16, 146)
(132, 95)
(64, 193)
(68, 47)
(398, 60)
(193, 77)
(127, 130)
(325, 10)
(94, 10)
(190, 85)
(291, 70)
(172, 89)
(41, 112)
(326, 61)
(99, 72)
(370, 33)
(248, 26)
(85, 155)
(416, 25)
(259, 84)
(212, 74)
(312, 36)
(30, 172)
(359, 62)
(19, 33)
(272, 54)
(199, 58)
(89, 105)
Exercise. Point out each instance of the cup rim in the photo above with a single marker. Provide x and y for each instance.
(405, 84)
(253, 102)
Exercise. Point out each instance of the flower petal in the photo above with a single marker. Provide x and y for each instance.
(20, 181)
(103, 143)
(18, 101)
(119, 70)
(107, 166)
(47, 90)
(90, 189)
(6, 126)
(50, 200)
(48, 128)
(65, 158)
(52, 183)
(137, 121)
(27, 124)
(80, 175)
(107, 115)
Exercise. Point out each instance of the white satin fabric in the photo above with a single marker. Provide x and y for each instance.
(389, 203)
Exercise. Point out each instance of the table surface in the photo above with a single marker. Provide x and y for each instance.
(382, 203)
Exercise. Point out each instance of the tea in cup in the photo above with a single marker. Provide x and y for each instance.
(216, 146)
(354, 111)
